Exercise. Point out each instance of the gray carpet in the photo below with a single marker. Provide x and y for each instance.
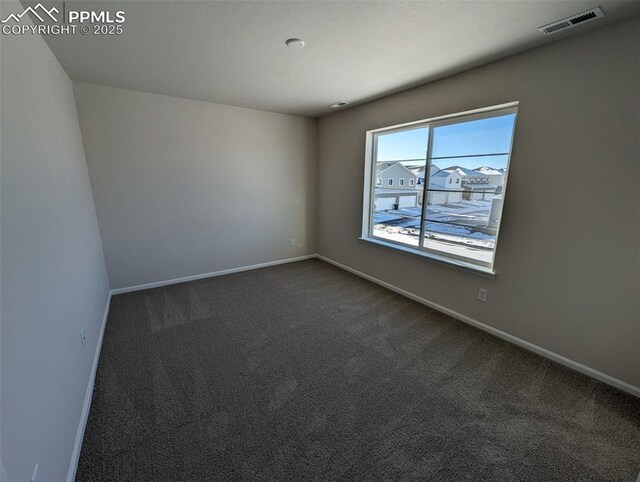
(305, 372)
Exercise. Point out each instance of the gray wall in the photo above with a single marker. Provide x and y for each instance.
(53, 277)
(185, 187)
(568, 257)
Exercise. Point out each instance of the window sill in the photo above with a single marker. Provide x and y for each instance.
(486, 272)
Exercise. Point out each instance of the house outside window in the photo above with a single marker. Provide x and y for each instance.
(454, 215)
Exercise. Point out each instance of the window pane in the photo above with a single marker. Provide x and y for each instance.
(397, 203)
(402, 145)
(483, 136)
(464, 196)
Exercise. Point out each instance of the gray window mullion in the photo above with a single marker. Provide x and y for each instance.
(427, 180)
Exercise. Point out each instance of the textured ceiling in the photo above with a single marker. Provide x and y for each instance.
(234, 53)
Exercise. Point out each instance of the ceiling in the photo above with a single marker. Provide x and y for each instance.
(233, 52)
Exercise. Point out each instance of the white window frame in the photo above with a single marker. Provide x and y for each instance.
(378, 182)
(390, 181)
(412, 182)
(420, 250)
(401, 182)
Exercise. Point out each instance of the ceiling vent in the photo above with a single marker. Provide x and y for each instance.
(570, 22)
(340, 103)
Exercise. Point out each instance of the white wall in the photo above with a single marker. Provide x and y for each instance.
(568, 258)
(185, 187)
(53, 277)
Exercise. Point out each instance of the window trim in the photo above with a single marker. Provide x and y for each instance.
(431, 123)
(445, 260)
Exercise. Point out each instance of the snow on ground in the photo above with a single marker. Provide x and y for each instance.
(474, 213)
(440, 244)
(455, 230)
(448, 224)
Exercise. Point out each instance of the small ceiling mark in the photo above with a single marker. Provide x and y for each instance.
(295, 43)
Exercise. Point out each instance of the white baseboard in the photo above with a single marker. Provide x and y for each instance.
(75, 455)
(603, 377)
(168, 282)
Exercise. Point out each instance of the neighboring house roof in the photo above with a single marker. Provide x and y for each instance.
(445, 173)
(421, 168)
(489, 171)
(378, 173)
(464, 171)
(419, 172)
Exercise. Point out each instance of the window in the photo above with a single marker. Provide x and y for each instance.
(453, 222)
(379, 181)
(390, 182)
(412, 182)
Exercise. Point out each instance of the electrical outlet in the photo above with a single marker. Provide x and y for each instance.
(83, 338)
(482, 295)
(293, 242)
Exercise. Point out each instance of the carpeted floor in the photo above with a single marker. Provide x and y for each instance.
(305, 372)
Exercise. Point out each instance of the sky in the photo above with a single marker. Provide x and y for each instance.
(483, 136)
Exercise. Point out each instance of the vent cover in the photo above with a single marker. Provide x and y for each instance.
(340, 103)
(569, 22)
